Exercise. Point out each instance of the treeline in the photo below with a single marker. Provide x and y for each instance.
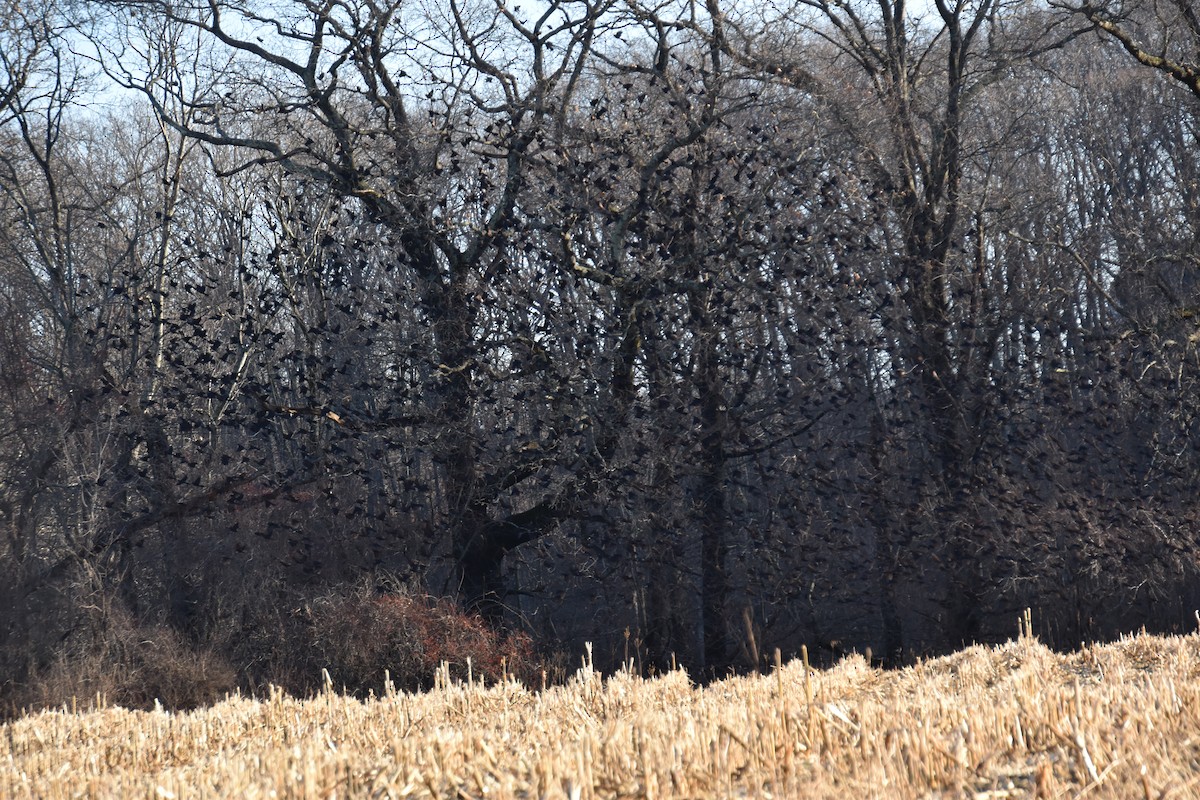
(687, 330)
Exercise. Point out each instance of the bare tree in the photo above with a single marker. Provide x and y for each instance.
(344, 81)
(1161, 34)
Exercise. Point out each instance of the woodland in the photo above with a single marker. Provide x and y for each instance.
(688, 329)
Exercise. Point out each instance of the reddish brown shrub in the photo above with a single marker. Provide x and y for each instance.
(358, 637)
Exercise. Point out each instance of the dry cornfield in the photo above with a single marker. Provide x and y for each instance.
(1110, 721)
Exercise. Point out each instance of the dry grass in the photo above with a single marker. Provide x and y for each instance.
(1113, 721)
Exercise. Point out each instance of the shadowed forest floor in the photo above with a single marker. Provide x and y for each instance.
(1110, 721)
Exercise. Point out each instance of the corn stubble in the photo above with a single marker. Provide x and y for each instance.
(1111, 721)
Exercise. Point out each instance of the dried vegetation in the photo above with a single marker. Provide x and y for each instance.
(1111, 721)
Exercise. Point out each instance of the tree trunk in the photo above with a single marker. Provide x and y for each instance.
(714, 544)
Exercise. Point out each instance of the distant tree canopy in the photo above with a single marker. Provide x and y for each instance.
(685, 330)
